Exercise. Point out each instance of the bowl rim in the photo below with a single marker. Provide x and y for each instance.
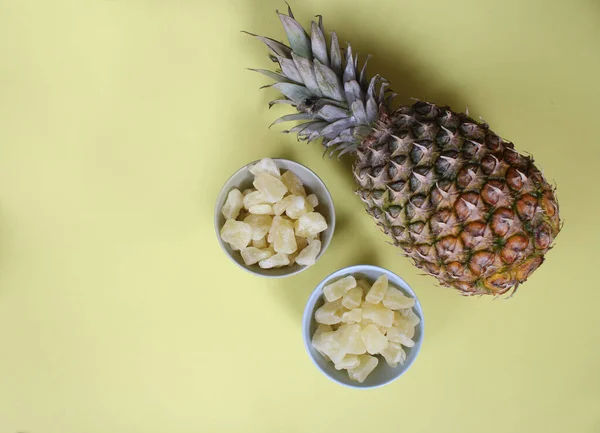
(318, 292)
(217, 213)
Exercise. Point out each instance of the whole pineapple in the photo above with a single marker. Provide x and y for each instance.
(461, 202)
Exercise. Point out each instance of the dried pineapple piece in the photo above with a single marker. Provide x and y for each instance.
(276, 221)
(337, 289)
(236, 233)
(293, 183)
(233, 204)
(394, 354)
(374, 340)
(378, 290)
(280, 207)
(352, 316)
(284, 240)
(310, 224)
(329, 313)
(260, 225)
(260, 243)
(308, 255)
(366, 366)
(395, 299)
(350, 339)
(410, 315)
(297, 207)
(270, 187)
(274, 261)
(317, 339)
(312, 238)
(312, 200)
(378, 314)
(261, 209)
(347, 362)
(265, 165)
(401, 335)
(364, 285)
(252, 199)
(252, 255)
(352, 298)
(247, 191)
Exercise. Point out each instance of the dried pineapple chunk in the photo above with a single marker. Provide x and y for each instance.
(350, 339)
(261, 209)
(310, 224)
(352, 316)
(364, 285)
(280, 207)
(410, 315)
(260, 225)
(265, 165)
(252, 199)
(297, 207)
(394, 354)
(329, 313)
(337, 289)
(352, 298)
(317, 340)
(378, 314)
(233, 204)
(394, 299)
(293, 183)
(366, 366)
(274, 261)
(247, 191)
(378, 289)
(236, 233)
(308, 255)
(260, 243)
(347, 362)
(252, 255)
(374, 340)
(312, 200)
(270, 187)
(284, 240)
(400, 334)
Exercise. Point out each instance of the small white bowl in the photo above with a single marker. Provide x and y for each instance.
(242, 179)
(383, 373)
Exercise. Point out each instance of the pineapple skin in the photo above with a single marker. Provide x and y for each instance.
(459, 200)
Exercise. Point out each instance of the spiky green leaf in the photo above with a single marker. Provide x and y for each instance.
(294, 92)
(335, 55)
(329, 82)
(273, 75)
(318, 44)
(307, 72)
(292, 117)
(299, 40)
(276, 47)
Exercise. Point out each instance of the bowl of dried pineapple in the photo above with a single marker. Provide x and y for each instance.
(274, 217)
(363, 326)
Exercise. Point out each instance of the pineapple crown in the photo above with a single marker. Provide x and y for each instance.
(334, 101)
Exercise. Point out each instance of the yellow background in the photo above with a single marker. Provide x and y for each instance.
(121, 119)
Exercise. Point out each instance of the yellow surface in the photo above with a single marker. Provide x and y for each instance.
(119, 122)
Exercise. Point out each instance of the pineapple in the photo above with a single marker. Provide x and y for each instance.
(462, 203)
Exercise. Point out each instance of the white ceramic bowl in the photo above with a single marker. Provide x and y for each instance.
(383, 373)
(242, 179)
